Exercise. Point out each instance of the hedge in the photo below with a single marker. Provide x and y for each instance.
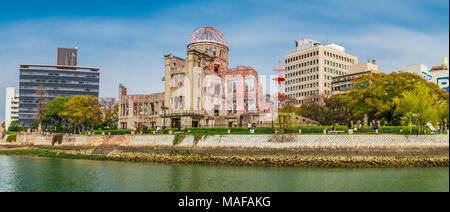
(113, 132)
(270, 130)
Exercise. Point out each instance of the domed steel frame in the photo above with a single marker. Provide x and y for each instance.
(208, 34)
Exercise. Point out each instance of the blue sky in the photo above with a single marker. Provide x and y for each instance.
(127, 39)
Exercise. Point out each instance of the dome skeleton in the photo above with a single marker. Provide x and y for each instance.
(208, 34)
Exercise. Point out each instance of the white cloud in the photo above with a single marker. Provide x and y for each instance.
(130, 51)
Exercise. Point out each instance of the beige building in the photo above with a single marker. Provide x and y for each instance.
(341, 83)
(310, 68)
(362, 67)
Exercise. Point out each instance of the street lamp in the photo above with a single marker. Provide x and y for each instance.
(164, 108)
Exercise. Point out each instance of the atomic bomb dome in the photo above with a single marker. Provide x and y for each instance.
(207, 34)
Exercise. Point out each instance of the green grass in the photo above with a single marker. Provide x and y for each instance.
(41, 152)
(12, 132)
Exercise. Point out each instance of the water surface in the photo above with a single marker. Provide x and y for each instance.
(19, 173)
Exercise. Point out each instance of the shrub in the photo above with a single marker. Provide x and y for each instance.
(178, 139)
(113, 132)
(11, 138)
(197, 138)
(14, 126)
(57, 138)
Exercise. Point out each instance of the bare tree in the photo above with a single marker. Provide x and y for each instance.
(40, 93)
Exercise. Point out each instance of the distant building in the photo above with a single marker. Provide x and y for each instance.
(39, 84)
(362, 67)
(437, 74)
(11, 107)
(341, 83)
(310, 68)
(66, 57)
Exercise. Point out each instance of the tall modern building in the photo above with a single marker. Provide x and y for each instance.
(310, 68)
(11, 107)
(39, 84)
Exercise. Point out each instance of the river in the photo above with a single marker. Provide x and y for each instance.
(19, 173)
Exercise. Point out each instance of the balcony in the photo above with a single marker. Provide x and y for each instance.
(180, 113)
(178, 70)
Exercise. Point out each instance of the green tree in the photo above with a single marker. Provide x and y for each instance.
(14, 126)
(53, 110)
(373, 95)
(81, 112)
(34, 125)
(327, 110)
(419, 106)
(444, 115)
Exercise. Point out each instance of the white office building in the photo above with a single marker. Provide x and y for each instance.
(11, 107)
(437, 74)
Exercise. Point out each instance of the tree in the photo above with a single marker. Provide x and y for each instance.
(54, 108)
(373, 94)
(14, 126)
(336, 109)
(110, 115)
(443, 114)
(81, 112)
(419, 106)
(35, 125)
(40, 93)
(327, 109)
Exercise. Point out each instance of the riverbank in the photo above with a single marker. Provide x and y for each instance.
(248, 150)
(321, 160)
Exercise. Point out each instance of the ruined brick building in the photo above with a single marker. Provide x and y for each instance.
(139, 110)
(200, 90)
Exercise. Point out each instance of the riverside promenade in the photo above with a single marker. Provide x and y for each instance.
(265, 150)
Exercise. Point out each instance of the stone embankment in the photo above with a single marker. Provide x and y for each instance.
(265, 150)
(242, 142)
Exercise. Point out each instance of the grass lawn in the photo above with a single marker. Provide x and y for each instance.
(12, 132)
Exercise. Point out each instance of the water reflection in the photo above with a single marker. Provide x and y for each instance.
(40, 174)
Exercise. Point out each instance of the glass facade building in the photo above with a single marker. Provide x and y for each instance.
(39, 84)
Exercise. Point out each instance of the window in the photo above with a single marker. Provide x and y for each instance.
(198, 103)
(177, 81)
(177, 102)
(231, 86)
(217, 89)
(249, 106)
(231, 106)
(249, 84)
(216, 68)
(216, 110)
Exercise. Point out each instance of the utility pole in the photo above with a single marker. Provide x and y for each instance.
(272, 113)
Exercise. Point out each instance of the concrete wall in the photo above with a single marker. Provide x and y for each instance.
(279, 142)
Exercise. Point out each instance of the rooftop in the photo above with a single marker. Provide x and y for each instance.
(61, 67)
